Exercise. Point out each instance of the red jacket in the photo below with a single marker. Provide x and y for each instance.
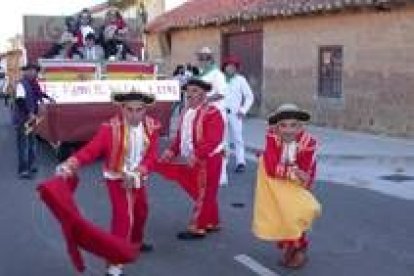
(208, 132)
(109, 143)
(305, 157)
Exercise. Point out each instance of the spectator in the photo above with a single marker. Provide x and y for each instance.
(69, 36)
(71, 25)
(114, 17)
(179, 74)
(116, 48)
(188, 71)
(3, 85)
(84, 26)
(28, 97)
(113, 23)
(92, 51)
(65, 49)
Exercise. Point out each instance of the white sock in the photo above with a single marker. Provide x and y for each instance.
(114, 270)
(223, 175)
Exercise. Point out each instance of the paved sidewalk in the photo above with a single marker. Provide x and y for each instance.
(339, 144)
(351, 158)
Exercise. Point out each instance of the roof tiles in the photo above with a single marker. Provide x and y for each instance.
(196, 13)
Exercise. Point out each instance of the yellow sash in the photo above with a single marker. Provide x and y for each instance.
(283, 209)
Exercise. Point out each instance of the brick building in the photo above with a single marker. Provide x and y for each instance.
(350, 62)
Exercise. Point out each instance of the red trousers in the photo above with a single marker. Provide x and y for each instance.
(301, 243)
(201, 183)
(129, 211)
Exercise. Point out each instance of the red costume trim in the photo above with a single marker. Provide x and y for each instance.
(306, 161)
(305, 157)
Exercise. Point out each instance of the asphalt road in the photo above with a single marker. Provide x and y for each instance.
(361, 232)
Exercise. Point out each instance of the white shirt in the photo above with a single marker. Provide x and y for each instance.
(289, 153)
(218, 82)
(135, 147)
(3, 85)
(135, 152)
(186, 135)
(20, 92)
(85, 30)
(239, 96)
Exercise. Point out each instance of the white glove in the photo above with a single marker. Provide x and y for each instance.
(132, 180)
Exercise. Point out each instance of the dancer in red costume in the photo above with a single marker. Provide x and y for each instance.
(284, 205)
(128, 143)
(198, 144)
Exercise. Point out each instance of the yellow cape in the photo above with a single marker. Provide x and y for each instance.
(283, 209)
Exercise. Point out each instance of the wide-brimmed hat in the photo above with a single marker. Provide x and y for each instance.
(288, 111)
(30, 66)
(231, 59)
(205, 51)
(198, 82)
(142, 97)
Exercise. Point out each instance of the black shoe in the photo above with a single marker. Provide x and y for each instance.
(146, 247)
(213, 229)
(240, 168)
(34, 170)
(25, 175)
(186, 235)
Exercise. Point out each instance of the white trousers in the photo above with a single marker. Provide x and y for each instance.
(235, 126)
(224, 180)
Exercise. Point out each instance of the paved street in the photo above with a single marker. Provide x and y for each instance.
(361, 232)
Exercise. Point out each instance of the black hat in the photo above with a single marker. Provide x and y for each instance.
(30, 66)
(134, 97)
(200, 83)
(288, 111)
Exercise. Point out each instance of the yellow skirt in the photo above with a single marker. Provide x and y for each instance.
(283, 209)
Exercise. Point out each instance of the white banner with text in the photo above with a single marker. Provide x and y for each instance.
(100, 91)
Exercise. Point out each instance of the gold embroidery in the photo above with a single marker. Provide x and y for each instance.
(199, 123)
(125, 146)
(115, 132)
(202, 186)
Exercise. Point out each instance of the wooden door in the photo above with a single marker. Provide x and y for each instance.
(248, 46)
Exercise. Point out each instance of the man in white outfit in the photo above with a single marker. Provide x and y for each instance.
(211, 73)
(238, 101)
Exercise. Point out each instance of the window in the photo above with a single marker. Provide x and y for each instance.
(330, 72)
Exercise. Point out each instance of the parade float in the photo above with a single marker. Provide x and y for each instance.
(83, 90)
